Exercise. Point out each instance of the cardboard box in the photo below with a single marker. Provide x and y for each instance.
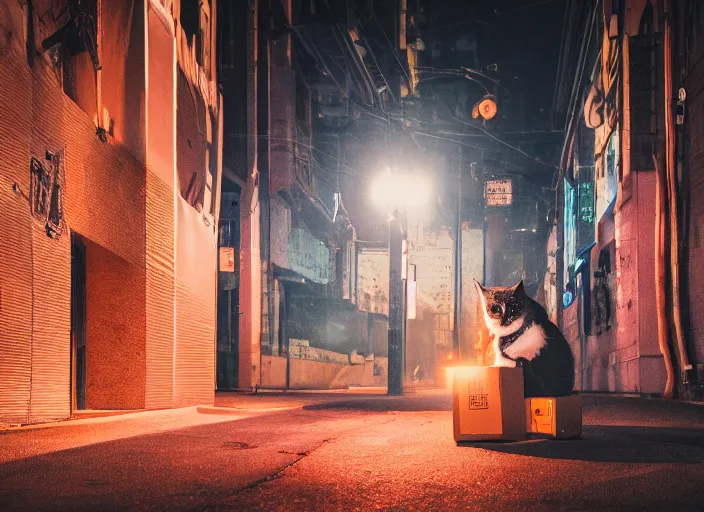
(488, 404)
(559, 417)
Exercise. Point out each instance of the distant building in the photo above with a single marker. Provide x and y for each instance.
(294, 78)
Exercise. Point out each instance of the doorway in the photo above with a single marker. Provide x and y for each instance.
(78, 324)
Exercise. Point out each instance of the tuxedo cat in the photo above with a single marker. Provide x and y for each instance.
(524, 336)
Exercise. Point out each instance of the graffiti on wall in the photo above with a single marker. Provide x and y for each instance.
(433, 258)
(46, 191)
(309, 256)
(373, 281)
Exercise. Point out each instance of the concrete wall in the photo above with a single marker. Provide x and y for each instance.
(307, 374)
(250, 288)
(472, 321)
(115, 331)
(429, 336)
(160, 221)
(104, 185)
(373, 280)
(282, 115)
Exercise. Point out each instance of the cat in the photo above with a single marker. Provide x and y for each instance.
(525, 337)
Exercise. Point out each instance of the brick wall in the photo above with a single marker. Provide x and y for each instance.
(103, 201)
(160, 216)
(15, 225)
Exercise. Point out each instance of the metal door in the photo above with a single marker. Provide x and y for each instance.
(78, 323)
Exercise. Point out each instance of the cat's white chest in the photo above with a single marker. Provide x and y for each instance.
(528, 345)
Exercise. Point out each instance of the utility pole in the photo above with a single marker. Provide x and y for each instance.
(458, 264)
(395, 333)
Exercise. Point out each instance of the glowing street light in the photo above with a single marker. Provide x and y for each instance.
(398, 191)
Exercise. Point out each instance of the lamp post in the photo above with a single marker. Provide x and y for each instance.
(395, 193)
(458, 267)
(396, 339)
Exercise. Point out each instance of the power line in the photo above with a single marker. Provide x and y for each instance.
(453, 75)
(521, 7)
(503, 142)
(350, 170)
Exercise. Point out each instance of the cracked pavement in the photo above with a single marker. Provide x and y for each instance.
(353, 451)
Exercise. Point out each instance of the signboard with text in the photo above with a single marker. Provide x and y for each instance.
(227, 259)
(498, 193)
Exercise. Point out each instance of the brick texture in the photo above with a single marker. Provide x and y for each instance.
(126, 216)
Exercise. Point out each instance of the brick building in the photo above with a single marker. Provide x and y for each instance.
(110, 130)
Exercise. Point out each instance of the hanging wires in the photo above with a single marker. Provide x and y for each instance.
(572, 108)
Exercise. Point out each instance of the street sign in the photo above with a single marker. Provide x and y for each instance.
(498, 193)
(227, 259)
(411, 294)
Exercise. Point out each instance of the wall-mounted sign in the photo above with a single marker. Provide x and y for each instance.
(498, 193)
(411, 295)
(227, 259)
(404, 259)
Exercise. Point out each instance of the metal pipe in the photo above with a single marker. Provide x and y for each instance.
(395, 328)
(458, 264)
(672, 194)
(402, 24)
(660, 299)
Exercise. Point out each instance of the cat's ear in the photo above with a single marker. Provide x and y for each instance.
(519, 289)
(481, 293)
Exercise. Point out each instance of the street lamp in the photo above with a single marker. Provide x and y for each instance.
(396, 193)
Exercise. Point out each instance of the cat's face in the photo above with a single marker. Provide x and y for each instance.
(503, 307)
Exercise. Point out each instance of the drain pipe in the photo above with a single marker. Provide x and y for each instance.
(660, 298)
(672, 193)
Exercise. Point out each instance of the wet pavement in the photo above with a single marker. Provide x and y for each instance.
(353, 451)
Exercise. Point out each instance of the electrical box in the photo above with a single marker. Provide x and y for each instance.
(558, 417)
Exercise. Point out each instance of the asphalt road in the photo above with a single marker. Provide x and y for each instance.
(354, 452)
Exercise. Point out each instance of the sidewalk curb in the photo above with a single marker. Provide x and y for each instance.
(214, 409)
(98, 418)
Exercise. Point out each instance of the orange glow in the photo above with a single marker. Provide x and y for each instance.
(449, 377)
(458, 371)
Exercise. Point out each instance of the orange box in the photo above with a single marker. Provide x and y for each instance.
(558, 417)
(488, 404)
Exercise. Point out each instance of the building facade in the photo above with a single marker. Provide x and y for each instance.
(624, 282)
(109, 198)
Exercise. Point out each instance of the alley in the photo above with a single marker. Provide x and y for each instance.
(353, 451)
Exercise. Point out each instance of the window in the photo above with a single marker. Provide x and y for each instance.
(203, 41)
(569, 241)
(74, 40)
(611, 163)
(189, 18)
(607, 176)
(645, 68)
(232, 31)
(195, 21)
